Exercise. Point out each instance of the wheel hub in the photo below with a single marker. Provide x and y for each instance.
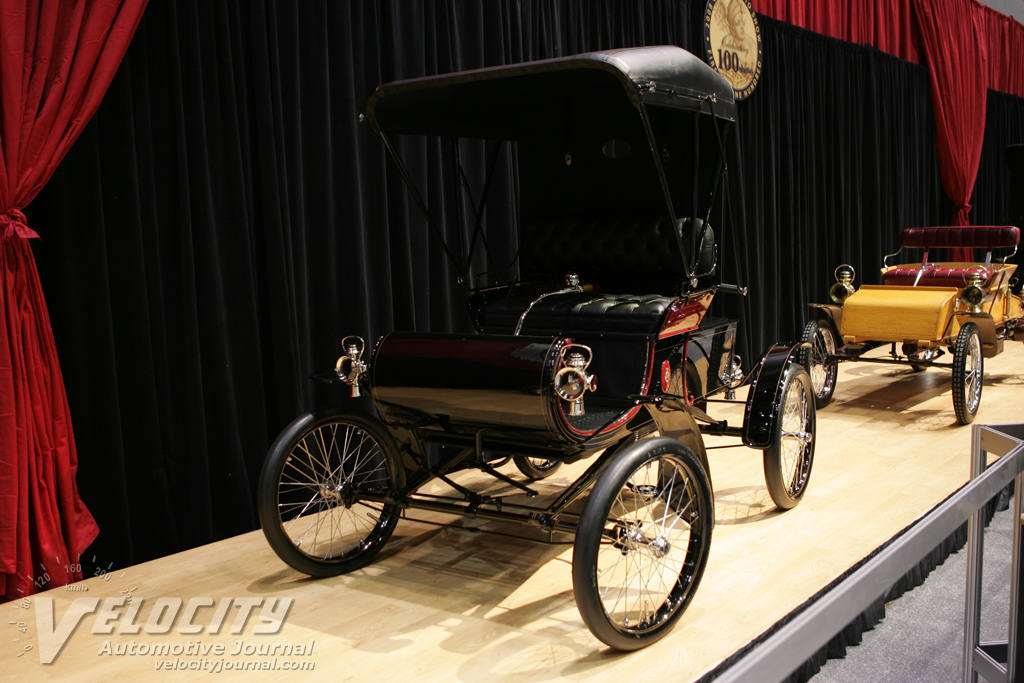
(660, 547)
(646, 491)
(630, 538)
(342, 493)
(802, 436)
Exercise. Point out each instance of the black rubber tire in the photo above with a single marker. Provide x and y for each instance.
(651, 511)
(536, 468)
(788, 460)
(316, 470)
(968, 373)
(823, 373)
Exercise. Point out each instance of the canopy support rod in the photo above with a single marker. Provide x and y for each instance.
(479, 212)
(460, 211)
(652, 141)
(404, 172)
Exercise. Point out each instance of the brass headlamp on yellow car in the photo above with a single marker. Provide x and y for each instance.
(843, 288)
(973, 295)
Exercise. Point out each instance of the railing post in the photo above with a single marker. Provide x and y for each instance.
(975, 546)
(1016, 632)
(996, 661)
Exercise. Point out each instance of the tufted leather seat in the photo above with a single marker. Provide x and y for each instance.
(935, 276)
(625, 314)
(987, 237)
(620, 255)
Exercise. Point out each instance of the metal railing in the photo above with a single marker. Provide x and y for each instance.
(783, 652)
(997, 662)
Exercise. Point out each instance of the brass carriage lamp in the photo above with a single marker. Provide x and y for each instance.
(843, 288)
(572, 381)
(973, 295)
(350, 367)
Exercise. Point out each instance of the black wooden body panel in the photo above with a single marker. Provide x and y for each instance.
(451, 388)
(710, 351)
(466, 381)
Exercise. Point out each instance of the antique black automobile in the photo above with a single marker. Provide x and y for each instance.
(597, 346)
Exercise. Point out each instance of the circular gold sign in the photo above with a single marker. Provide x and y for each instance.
(733, 41)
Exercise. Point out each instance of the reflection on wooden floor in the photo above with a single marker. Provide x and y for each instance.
(474, 601)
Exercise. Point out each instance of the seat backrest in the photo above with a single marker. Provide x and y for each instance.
(976, 236)
(638, 255)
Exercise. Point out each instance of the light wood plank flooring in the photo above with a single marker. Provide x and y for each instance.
(447, 603)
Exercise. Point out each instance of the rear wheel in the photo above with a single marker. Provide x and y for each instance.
(321, 491)
(911, 350)
(536, 468)
(822, 371)
(788, 460)
(642, 543)
(968, 371)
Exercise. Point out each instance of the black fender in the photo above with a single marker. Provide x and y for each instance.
(681, 426)
(762, 409)
(830, 314)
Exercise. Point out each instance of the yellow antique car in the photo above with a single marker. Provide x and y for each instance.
(968, 308)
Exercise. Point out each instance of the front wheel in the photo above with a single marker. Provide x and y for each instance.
(823, 372)
(322, 491)
(642, 543)
(788, 460)
(968, 370)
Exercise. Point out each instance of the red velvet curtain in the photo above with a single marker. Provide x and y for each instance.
(885, 24)
(959, 77)
(57, 58)
(968, 47)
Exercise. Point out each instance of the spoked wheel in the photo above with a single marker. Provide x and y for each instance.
(536, 468)
(968, 371)
(815, 359)
(321, 489)
(788, 460)
(642, 543)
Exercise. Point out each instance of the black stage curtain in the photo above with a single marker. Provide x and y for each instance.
(998, 198)
(224, 220)
(838, 155)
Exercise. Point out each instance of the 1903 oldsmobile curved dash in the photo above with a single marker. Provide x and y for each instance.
(600, 345)
(969, 308)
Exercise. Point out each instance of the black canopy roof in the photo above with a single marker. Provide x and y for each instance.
(510, 102)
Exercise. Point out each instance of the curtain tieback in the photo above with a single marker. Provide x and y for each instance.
(13, 223)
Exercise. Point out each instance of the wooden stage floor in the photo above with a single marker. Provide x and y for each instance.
(447, 603)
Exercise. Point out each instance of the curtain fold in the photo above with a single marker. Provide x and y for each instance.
(57, 58)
